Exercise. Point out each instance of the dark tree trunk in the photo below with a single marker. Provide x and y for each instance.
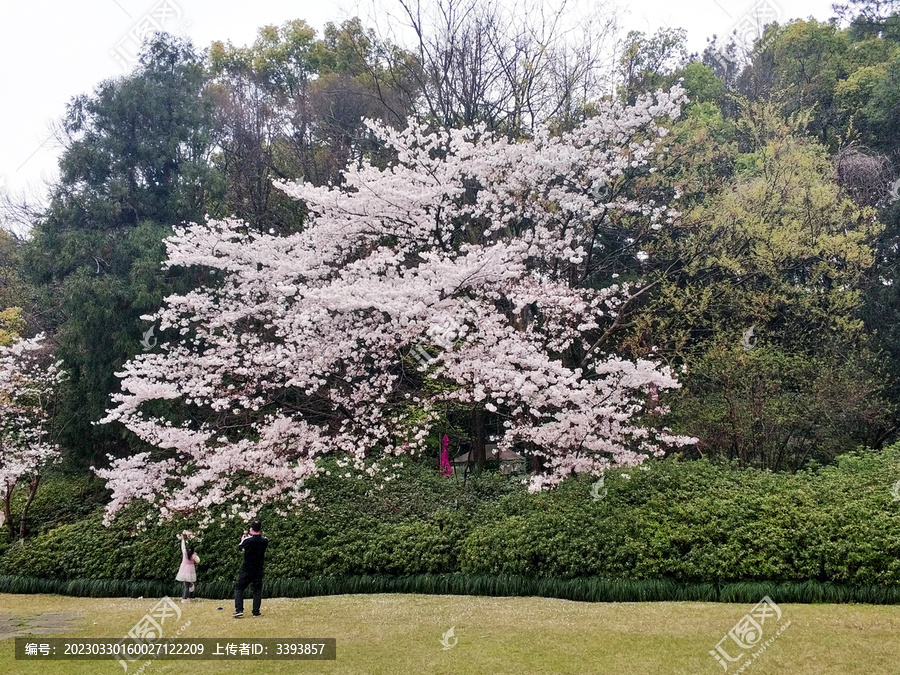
(32, 490)
(7, 512)
(478, 438)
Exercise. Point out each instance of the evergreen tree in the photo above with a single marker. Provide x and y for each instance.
(135, 164)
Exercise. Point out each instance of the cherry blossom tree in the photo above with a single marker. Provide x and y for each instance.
(489, 256)
(29, 376)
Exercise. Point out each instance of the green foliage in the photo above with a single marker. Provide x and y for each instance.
(767, 241)
(845, 80)
(11, 325)
(695, 523)
(14, 291)
(881, 109)
(649, 62)
(810, 58)
(841, 84)
(770, 408)
(690, 524)
(584, 590)
(61, 499)
(701, 83)
(291, 105)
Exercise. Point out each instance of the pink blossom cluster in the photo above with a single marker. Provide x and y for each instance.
(484, 250)
(29, 376)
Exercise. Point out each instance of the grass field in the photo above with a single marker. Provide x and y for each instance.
(400, 635)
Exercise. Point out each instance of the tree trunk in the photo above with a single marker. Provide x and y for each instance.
(7, 514)
(478, 435)
(32, 489)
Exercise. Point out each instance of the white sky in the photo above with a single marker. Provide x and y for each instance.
(52, 50)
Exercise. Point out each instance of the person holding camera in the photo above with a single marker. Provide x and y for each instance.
(253, 545)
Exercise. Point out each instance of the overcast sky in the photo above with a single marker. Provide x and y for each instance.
(52, 50)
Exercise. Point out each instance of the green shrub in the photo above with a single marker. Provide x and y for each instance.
(688, 523)
(59, 500)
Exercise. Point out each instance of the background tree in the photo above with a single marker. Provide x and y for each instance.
(778, 248)
(870, 18)
(648, 63)
(134, 165)
(11, 325)
(512, 68)
(846, 81)
(292, 105)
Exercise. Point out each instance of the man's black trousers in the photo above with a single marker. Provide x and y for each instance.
(245, 579)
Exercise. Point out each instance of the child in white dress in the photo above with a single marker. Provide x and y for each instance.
(187, 573)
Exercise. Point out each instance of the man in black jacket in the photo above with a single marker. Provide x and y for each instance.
(254, 547)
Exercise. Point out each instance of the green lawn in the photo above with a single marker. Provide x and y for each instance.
(400, 634)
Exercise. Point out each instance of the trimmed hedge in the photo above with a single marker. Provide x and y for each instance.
(691, 524)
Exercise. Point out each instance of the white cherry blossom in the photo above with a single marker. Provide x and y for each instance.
(29, 376)
(485, 252)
